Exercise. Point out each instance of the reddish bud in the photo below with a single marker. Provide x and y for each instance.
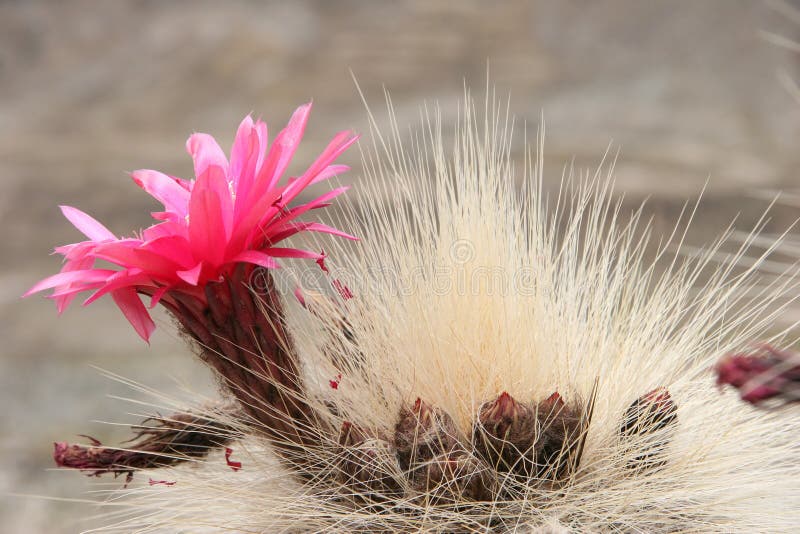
(161, 442)
(368, 465)
(455, 477)
(351, 434)
(422, 433)
(650, 413)
(766, 374)
(504, 418)
(551, 407)
(555, 399)
(557, 446)
(505, 433)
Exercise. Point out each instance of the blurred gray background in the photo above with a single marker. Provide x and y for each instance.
(89, 90)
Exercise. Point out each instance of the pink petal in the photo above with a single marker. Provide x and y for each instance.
(341, 142)
(186, 184)
(242, 147)
(166, 229)
(156, 298)
(245, 172)
(138, 257)
(257, 258)
(134, 310)
(284, 147)
(176, 248)
(191, 276)
(247, 227)
(286, 231)
(65, 250)
(217, 182)
(77, 251)
(85, 276)
(71, 291)
(90, 227)
(327, 173)
(165, 189)
(63, 295)
(77, 262)
(210, 217)
(134, 278)
(206, 153)
(325, 229)
(263, 192)
(247, 150)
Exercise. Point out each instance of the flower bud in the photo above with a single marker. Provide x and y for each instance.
(767, 374)
(505, 433)
(368, 466)
(644, 420)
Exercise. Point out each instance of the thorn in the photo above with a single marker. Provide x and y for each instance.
(161, 482)
(95, 442)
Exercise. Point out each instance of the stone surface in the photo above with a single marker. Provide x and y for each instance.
(89, 90)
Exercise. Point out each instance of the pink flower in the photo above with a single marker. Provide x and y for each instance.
(235, 211)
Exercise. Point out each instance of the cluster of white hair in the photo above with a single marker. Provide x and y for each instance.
(467, 287)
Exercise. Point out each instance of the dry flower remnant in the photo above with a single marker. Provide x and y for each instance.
(583, 404)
